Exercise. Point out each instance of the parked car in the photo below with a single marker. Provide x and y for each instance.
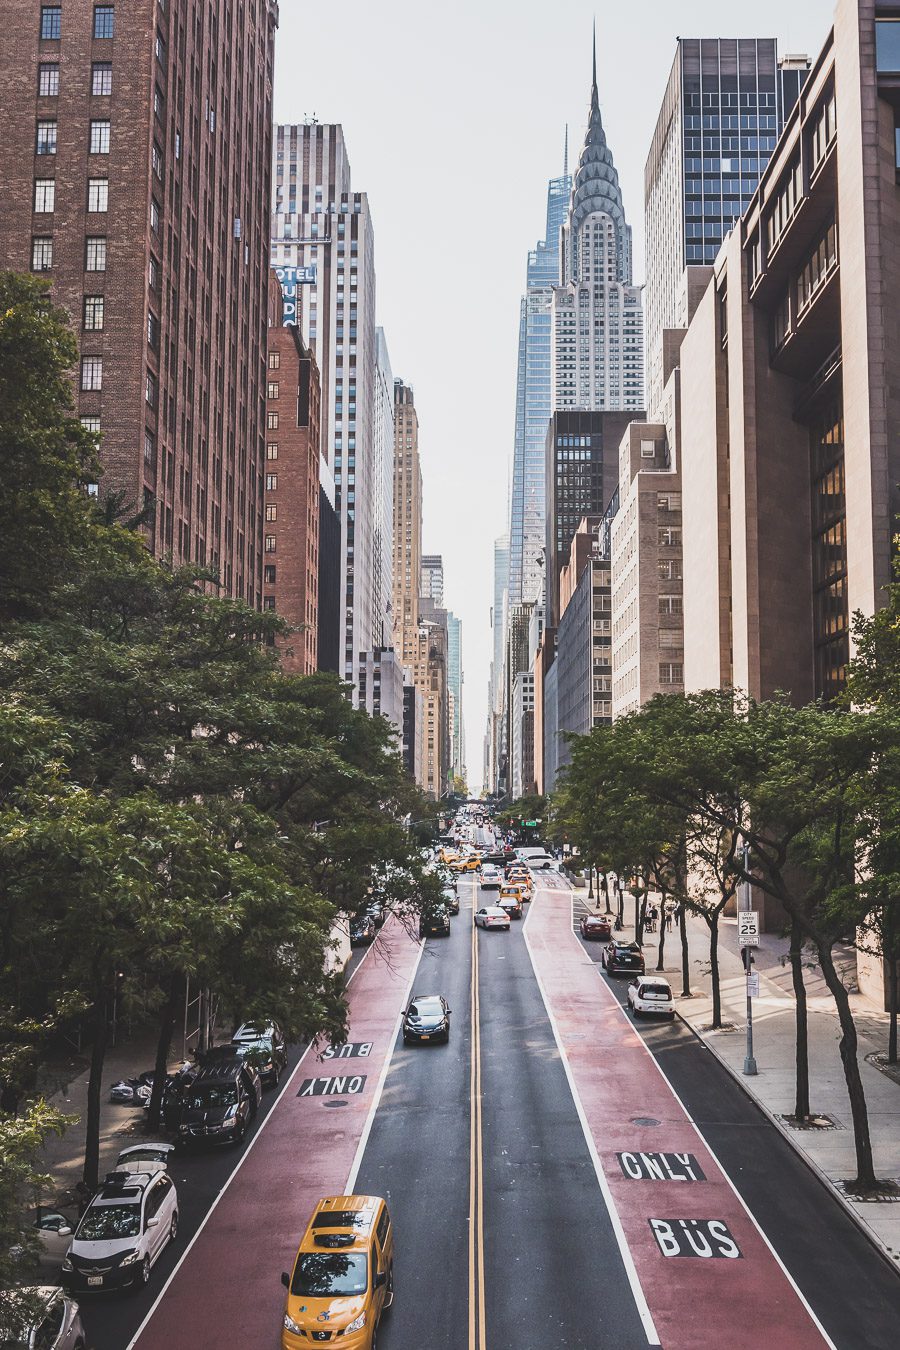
(362, 930)
(537, 859)
(149, 1157)
(491, 877)
(651, 994)
(52, 1320)
(623, 958)
(435, 922)
(596, 927)
(427, 1019)
(451, 899)
(265, 1046)
(54, 1232)
(220, 1103)
(491, 916)
(122, 1232)
(510, 901)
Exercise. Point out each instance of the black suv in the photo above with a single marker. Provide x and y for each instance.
(625, 957)
(220, 1102)
(435, 922)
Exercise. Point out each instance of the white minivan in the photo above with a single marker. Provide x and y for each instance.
(538, 859)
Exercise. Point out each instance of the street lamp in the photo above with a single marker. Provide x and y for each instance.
(748, 940)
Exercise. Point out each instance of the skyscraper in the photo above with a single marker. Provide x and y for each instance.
(432, 584)
(455, 683)
(724, 107)
(597, 319)
(407, 515)
(322, 233)
(383, 497)
(533, 402)
(135, 163)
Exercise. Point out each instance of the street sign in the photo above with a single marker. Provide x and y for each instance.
(748, 927)
(753, 984)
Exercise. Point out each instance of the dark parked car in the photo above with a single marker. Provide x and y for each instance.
(435, 922)
(451, 899)
(623, 958)
(363, 930)
(268, 1055)
(596, 927)
(377, 913)
(427, 1019)
(220, 1103)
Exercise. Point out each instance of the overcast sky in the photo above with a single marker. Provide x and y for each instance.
(454, 115)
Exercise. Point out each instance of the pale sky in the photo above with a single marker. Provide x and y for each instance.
(454, 116)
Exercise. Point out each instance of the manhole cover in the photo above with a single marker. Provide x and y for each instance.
(643, 1120)
(335, 1103)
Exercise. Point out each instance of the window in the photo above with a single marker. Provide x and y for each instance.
(98, 194)
(154, 215)
(671, 672)
(271, 451)
(272, 421)
(149, 446)
(151, 389)
(92, 372)
(95, 256)
(269, 574)
(271, 511)
(271, 482)
(152, 330)
(670, 604)
(91, 424)
(46, 138)
(273, 389)
(104, 21)
(270, 543)
(51, 22)
(156, 159)
(153, 273)
(274, 360)
(887, 46)
(669, 537)
(100, 137)
(648, 449)
(44, 195)
(48, 79)
(41, 254)
(101, 79)
(93, 313)
(817, 269)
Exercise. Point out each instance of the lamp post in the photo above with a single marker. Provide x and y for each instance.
(748, 941)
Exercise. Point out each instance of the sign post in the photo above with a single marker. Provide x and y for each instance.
(748, 938)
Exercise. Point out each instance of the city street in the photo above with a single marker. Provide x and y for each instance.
(551, 1182)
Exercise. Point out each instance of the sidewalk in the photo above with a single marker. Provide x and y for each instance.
(828, 1150)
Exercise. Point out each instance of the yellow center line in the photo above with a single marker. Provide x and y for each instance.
(477, 1339)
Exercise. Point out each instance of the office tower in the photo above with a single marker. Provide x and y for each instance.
(724, 106)
(135, 163)
(597, 320)
(322, 232)
(533, 401)
(291, 534)
(430, 674)
(432, 583)
(516, 663)
(381, 688)
(494, 742)
(407, 513)
(455, 683)
(383, 496)
(583, 665)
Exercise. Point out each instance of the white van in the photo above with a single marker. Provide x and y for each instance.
(536, 858)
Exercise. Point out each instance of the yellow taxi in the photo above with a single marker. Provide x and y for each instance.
(524, 885)
(448, 855)
(469, 864)
(343, 1278)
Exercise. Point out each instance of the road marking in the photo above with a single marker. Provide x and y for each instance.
(477, 1338)
(637, 1292)
(706, 1144)
(243, 1158)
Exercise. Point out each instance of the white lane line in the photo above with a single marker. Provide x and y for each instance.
(706, 1144)
(243, 1158)
(637, 1292)
(364, 1137)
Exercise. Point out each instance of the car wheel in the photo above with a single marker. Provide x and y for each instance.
(173, 1227)
(240, 1132)
(145, 1272)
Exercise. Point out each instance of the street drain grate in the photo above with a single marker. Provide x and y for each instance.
(643, 1120)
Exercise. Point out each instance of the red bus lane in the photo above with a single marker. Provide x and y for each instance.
(227, 1290)
(707, 1273)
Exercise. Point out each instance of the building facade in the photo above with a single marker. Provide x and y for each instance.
(455, 682)
(533, 400)
(135, 180)
(407, 513)
(382, 488)
(522, 757)
(432, 579)
(323, 245)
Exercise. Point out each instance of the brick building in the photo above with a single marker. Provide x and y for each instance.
(136, 165)
(291, 535)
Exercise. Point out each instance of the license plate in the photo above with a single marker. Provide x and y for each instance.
(95, 1279)
(424, 1038)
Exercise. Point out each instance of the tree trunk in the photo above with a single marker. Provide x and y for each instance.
(893, 983)
(640, 913)
(685, 953)
(801, 1104)
(865, 1167)
(713, 921)
(604, 882)
(662, 933)
(620, 904)
(163, 1044)
(91, 1172)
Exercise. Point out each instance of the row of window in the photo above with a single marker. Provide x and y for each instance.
(47, 131)
(94, 253)
(101, 79)
(51, 22)
(45, 195)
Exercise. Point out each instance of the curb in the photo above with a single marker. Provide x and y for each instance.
(822, 1177)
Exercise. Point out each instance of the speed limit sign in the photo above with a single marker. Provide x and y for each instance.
(748, 928)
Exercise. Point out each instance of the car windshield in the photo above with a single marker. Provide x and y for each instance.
(211, 1095)
(317, 1275)
(426, 1007)
(656, 989)
(105, 1223)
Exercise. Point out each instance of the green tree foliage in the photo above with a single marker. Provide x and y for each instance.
(21, 1183)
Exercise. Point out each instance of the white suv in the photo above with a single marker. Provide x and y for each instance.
(651, 994)
(122, 1232)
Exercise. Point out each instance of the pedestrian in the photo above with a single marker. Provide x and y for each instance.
(670, 915)
(652, 916)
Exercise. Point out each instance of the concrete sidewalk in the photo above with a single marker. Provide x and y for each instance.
(830, 1150)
